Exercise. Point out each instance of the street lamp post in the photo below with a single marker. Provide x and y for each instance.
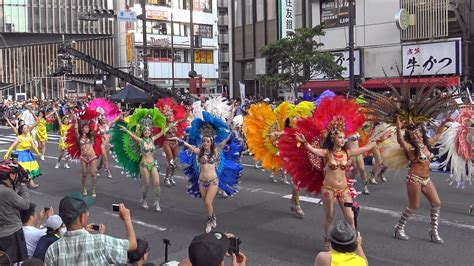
(145, 44)
(172, 53)
(351, 48)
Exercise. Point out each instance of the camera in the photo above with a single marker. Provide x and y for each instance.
(22, 174)
(234, 245)
(46, 209)
(95, 227)
(115, 207)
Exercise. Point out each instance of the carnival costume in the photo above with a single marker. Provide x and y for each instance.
(228, 166)
(25, 157)
(110, 112)
(41, 133)
(130, 146)
(414, 112)
(176, 114)
(77, 142)
(307, 169)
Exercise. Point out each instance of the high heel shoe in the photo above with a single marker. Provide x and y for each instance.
(372, 179)
(435, 238)
(470, 209)
(209, 224)
(400, 234)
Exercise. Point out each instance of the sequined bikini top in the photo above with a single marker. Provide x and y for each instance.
(147, 145)
(334, 166)
(207, 159)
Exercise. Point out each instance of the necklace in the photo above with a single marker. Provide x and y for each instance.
(338, 155)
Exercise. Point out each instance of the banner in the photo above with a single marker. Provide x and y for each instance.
(130, 45)
(286, 17)
(242, 91)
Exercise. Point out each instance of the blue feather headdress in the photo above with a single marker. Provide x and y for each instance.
(209, 126)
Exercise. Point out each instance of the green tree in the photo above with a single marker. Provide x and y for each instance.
(296, 59)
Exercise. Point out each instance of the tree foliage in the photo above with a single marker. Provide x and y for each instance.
(298, 58)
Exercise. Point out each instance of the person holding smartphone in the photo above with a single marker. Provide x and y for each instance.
(84, 248)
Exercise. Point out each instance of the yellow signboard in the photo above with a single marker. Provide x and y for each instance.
(129, 47)
(203, 56)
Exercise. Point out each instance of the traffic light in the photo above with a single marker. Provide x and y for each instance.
(104, 13)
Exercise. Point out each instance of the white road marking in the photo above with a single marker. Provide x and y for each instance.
(416, 217)
(304, 198)
(152, 226)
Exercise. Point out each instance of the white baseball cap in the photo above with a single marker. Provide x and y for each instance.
(54, 222)
(266, 100)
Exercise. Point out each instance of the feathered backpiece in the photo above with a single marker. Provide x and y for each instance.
(337, 114)
(414, 110)
(302, 110)
(218, 106)
(228, 167)
(459, 155)
(147, 118)
(173, 112)
(86, 116)
(104, 107)
(261, 128)
(325, 94)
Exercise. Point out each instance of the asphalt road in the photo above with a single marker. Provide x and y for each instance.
(260, 216)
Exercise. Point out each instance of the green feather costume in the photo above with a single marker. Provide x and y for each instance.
(126, 150)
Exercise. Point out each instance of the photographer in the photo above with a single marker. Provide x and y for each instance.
(82, 247)
(346, 247)
(209, 250)
(12, 239)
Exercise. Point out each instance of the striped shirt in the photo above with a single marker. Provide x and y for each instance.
(81, 248)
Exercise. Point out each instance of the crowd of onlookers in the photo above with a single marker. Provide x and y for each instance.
(43, 237)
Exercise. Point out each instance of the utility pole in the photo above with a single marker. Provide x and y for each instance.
(145, 44)
(191, 33)
(172, 53)
(351, 48)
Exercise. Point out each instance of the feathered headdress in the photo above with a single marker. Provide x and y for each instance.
(105, 108)
(86, 116)
(425, 105)
(218, 106)
(147, 118)
(325, 94)
(209, 126)
(337, 114)
(179, 113)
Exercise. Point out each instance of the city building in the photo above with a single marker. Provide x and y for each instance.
(168, 28)
(224, 58)
(433, 38)
(31, 32)
(255, 23)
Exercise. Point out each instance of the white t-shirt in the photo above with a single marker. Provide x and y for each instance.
(32, 236)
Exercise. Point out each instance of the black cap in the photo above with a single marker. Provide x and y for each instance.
(73, 205)
(208, 249)
(342, 233)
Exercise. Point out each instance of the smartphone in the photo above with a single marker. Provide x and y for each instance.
(115, 207)
(234, 245)
(95, 227)
(46, 209)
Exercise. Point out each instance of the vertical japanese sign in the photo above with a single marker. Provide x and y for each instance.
(242, 91)
(129, 46)
(286, 17)
(432, 58)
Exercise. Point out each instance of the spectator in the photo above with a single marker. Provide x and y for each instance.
(346, 247)
(31, 224)
(12, 239)
(54, 225)
(78, 246)
(210, 249)
(140, 255)
(32, 262)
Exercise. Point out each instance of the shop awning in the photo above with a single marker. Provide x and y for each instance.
(318, 86)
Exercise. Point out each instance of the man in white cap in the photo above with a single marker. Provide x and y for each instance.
(54, 226)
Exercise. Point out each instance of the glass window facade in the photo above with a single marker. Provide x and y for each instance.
(52, 16)
(248, 12)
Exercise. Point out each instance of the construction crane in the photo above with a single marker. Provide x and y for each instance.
(66, 65)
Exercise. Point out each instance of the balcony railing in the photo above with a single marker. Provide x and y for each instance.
(223, 57)
(224, 38)
(223, 3)
(223, 20)
(430, 19)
